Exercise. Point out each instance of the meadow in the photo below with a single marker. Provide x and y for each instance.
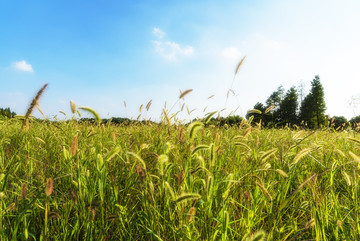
(67, 180)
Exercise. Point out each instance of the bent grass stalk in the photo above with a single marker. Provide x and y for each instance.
(33, 103)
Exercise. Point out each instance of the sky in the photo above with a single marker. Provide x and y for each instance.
(114, 56)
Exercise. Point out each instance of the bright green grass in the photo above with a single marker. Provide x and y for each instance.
(146, 182)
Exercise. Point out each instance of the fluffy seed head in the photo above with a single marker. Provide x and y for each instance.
(73, 107)
(49, 186)
(182, 95)
(191, 214)
(74, 145)
(239, 65)
(34, 102)
(140, 171)
(24, 191)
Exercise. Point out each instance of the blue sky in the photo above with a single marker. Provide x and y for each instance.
(102, 53)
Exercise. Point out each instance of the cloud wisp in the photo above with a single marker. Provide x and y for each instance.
(168, 49)
(22, 66)
(231, 53)
(157, 32)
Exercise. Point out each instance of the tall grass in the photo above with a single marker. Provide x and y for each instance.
(82, 181)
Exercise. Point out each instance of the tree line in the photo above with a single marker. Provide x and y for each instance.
(6, 113)
(280, 109)
(284, 108)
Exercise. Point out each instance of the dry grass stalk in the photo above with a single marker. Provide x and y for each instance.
(183, 94)
(73, 195)
(264, 190)
(191, 214)
(93, 214)
(232, 83)
(180, 177)
(301, 154)
(140, 171)
(247, 131)
(24, 191)
(247, 196)
(40, 110)
(34, 102)
(310, 223)
(54, 215)
(74, 145)
(151, 188)
(148, 105)
(270, 108)
(167, 117)
(73, 107)
(181, 135)
(304, 183)
(239, 65)
(49, 187)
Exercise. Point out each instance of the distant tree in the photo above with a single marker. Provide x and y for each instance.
(355, 121)
(273, 103)
(318, 95)
(338, 122)
(312, 110)
(276, 97)
(6, 112)
(230, 120)
(354, 103)
(233, 120)
(306, 114)
(288, 107)
(257, 116)
(301, 90)
(274, 100)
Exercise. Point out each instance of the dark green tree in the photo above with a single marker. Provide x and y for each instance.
(258, 116)
(276, 97)
(274, 100)
(338, 122)
(312, 110)
(288, 107)
(6, 112)
(355, 122)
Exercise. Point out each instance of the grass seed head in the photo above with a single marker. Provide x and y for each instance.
(191, 214)
(73, 107)
(183, 94)
(49, 187)
(34, 102)
(74, 145)
(140, 171)
(148, 105)
(247, 196)
(310, 223)
(180, 177)
(239, 65)
(24, 191)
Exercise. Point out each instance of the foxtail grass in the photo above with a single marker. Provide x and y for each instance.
(33, 103)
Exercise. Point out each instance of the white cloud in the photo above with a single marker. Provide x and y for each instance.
(171, 50)
(231, 53)
(168, 49)
(157, 32)
(23, 66)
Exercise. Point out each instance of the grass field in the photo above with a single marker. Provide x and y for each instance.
(72, 181)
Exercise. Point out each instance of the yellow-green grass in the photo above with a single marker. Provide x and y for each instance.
(72, 181)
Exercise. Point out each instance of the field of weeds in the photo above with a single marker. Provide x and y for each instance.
(83, 181)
